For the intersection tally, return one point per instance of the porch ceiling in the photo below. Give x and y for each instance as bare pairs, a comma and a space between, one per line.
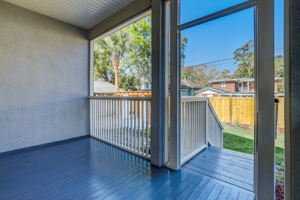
81, 13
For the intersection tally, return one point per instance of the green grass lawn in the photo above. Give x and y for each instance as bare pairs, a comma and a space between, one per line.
246, 133
241, 140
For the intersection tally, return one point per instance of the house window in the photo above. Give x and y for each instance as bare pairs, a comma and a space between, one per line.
223, 84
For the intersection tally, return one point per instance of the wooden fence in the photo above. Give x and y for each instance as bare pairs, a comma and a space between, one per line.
240, 110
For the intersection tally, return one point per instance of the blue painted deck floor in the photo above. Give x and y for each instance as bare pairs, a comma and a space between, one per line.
89, 169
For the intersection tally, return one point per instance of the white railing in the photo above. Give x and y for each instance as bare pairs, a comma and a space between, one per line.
124, 122
200, 126
214, 127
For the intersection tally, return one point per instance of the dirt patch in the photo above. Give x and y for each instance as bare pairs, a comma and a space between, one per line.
279, 191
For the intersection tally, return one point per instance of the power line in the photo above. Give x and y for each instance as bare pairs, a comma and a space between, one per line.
221, 60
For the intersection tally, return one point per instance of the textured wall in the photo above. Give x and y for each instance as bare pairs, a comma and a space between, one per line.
43, 79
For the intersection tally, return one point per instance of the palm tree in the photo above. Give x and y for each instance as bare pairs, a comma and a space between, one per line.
115, 45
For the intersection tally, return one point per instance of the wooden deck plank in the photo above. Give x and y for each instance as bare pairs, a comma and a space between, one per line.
158, 180
180, 188
251, 197
233, 195
235, 153
220, 177
223, 166
198, 189
219, 155
165, 187
207, 190
222, 162
243, 196
184, 194
226, 171
215, 192
89, 169
224, 193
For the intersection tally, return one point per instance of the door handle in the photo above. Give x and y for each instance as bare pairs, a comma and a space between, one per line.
276, 102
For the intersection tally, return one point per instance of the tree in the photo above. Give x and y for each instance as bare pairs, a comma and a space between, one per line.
139, 56
183, 45
203, 74
279, 71
244, 58
103, 68
279, 66
124, 57
111, 50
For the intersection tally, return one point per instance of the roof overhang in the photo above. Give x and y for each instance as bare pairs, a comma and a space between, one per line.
81, 13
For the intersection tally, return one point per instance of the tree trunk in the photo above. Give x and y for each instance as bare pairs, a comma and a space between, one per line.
117, 77
116, 63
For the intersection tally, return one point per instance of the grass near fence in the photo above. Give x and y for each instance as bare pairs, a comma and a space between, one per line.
241, 140
248, 133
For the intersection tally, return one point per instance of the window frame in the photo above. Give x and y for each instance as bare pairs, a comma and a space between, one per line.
223, 84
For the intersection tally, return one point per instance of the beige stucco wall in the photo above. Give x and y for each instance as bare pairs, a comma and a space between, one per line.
43, 79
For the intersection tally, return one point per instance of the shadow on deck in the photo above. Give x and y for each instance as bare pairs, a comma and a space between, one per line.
89, 169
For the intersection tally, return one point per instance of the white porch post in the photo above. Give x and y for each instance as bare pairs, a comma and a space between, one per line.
174, 147
158, 84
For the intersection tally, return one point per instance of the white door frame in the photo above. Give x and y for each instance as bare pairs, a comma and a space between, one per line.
264, 79
264, 106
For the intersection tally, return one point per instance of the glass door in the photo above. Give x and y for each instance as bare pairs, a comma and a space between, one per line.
221, 88
279, 95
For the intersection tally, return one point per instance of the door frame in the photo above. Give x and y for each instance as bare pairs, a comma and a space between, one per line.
264, 79
264, 179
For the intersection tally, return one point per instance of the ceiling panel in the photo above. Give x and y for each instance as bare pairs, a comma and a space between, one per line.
82, 13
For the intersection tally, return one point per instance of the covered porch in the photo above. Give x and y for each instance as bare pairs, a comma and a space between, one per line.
60, 141
86, 168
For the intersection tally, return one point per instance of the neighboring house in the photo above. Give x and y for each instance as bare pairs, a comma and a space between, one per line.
188, 89
211, 92
104, 88
146, 85
241, 85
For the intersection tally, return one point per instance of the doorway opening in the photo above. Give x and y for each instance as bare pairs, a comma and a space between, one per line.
121, 77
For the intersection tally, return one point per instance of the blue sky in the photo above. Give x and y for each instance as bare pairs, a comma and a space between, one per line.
217, 40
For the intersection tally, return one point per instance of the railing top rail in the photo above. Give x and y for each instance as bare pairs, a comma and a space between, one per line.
206, 99
119, 98
194, 98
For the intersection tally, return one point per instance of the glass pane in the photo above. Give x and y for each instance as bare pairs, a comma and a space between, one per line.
279, 94
193, 9
217, 94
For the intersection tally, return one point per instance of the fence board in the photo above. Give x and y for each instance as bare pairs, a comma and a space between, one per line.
240, 110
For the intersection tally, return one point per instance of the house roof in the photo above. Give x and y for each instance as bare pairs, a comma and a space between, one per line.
214, 90
237, 79
232, 79
101, 86
188, 84
81, 13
